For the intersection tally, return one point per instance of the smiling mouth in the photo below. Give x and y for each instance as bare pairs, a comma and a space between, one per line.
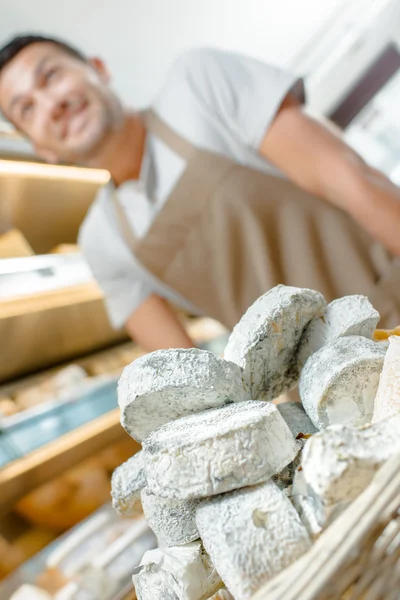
76, 120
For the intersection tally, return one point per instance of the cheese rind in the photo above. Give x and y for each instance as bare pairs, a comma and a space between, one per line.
340, 462
173, 521
301, 427
296, 418
350, 315
251, 535
339, 382
168, 384
218, 450
127, 482
264, 342
179, 573
305, 506
387, 400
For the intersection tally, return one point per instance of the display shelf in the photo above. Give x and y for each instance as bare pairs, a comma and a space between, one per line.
47, 203
52, 327
26, 474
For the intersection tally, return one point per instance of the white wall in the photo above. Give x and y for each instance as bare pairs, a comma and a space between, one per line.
139, 38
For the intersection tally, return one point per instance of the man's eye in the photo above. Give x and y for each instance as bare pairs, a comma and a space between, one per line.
50, 74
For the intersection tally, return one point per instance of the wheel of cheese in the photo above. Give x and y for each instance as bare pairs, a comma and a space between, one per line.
178, 573
340, 462
217, 451
305, 506
339, 382
264, 342
251, 535
173, 521
387, 400
168, 384
127, 482
350, 315
296, 419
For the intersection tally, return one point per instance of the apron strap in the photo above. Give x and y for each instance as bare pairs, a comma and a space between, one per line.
124, 226
176, 143
171, 138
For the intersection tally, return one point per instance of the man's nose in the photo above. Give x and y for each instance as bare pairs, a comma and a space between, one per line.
55, 105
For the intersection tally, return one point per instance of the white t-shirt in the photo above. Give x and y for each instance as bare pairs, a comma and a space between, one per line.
219, 101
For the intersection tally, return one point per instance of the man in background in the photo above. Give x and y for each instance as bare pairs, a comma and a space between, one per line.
242, 111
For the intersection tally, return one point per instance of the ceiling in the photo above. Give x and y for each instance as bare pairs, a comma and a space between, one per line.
140, 38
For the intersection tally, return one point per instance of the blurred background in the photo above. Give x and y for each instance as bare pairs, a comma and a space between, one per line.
60, 437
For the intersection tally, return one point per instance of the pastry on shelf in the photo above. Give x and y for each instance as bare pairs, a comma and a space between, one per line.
64, 381
8, 407
63, 502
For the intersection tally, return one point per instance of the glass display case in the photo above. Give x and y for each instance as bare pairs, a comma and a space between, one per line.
33, 428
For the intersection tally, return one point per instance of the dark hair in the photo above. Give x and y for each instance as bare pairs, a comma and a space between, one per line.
14, 47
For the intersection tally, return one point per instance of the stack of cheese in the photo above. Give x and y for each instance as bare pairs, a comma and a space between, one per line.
216, 468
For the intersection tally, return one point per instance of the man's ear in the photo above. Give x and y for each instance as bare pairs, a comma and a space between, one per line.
99, 66
47, 155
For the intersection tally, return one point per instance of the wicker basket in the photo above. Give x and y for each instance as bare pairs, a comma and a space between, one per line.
355, 558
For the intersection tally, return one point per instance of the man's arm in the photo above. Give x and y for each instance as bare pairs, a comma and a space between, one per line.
154, 326
321, 163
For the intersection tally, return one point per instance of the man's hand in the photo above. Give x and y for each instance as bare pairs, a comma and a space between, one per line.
321, 163
154, 325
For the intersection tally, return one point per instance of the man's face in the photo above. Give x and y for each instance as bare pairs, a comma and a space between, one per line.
61, 103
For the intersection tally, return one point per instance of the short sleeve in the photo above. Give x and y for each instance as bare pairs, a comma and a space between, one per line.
124, 284
243, 93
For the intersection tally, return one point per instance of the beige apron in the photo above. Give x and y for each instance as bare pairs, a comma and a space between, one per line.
228, 233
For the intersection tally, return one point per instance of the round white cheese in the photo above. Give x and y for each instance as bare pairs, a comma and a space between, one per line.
127, 482
387, 400
339, 463
167, 384
251, 536
339, 382
179, 573
350, 315
218, 450
171, 520
264, 342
